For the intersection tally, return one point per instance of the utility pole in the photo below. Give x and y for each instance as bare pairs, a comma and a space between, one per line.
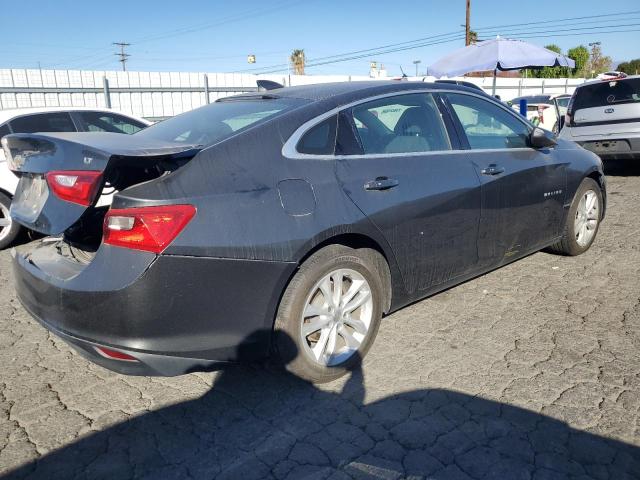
416, 63
594, 46
467, 27
123, 56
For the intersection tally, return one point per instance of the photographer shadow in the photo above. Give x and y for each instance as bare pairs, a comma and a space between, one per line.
257, 423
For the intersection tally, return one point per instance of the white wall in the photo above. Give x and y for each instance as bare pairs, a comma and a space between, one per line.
70, 88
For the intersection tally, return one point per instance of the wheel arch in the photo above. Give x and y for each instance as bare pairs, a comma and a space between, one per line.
358, 239
599, 178
6, 192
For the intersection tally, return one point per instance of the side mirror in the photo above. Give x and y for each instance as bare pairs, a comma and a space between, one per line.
540, 138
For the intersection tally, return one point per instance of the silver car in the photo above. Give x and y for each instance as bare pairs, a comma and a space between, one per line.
604, 116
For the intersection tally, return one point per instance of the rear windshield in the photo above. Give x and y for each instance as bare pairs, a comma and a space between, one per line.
607, 93
212, 123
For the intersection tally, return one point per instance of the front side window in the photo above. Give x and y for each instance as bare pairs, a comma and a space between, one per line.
43, 122
215, 122
109, 122
401, 124
486, 125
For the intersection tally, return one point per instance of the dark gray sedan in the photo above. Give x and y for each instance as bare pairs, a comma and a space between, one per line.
288, 221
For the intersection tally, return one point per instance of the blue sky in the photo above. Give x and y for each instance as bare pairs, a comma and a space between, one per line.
217, 36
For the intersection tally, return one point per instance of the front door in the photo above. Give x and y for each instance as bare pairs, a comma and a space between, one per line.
422, 196
523, 189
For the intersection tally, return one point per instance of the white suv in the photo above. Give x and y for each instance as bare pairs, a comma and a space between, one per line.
604, 116
52, 119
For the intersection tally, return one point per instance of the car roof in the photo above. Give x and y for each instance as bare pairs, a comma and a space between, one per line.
602, 80
9, 114
349, 91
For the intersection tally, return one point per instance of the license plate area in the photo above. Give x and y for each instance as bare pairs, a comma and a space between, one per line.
30, 197
608, 146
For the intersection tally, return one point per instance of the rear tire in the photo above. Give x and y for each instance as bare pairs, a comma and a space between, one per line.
9, 229
583, 220
319, 335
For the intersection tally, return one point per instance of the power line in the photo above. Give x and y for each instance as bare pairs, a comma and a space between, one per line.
123, 56
586, 29
367, 51
98, 52
576, 34
568, 19
418, 43
549, 24
313, 63
207, 25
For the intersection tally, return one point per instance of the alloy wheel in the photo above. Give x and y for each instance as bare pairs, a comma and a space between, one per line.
337, 317
5, 222
587, 217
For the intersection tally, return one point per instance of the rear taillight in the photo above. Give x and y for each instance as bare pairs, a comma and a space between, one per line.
150, 229
78, 187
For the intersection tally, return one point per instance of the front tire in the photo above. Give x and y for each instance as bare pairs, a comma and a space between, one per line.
583, 220
330, 312
9, 229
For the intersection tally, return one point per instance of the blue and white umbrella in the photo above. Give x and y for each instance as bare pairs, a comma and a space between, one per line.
497, 54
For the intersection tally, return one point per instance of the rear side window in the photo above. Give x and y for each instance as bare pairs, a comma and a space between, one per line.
215, 122
43, 122
321, 139
607, 93
486, 125
108, 122
401, 124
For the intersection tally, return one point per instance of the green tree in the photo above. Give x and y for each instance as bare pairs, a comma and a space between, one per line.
298, 61
549, 72
598, 62
632, 67
580, 55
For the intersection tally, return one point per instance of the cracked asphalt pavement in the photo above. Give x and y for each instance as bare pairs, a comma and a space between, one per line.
529, 372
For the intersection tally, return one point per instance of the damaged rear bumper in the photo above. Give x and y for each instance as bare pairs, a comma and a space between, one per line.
173, 314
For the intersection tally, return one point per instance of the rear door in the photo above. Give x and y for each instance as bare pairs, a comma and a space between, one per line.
523, 189
407, 178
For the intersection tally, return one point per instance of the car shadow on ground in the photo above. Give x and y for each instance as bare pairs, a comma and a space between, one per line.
260, 423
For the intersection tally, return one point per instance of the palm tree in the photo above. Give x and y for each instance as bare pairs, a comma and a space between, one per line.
298, 60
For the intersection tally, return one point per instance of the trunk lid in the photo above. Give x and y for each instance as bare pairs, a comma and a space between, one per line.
112, 159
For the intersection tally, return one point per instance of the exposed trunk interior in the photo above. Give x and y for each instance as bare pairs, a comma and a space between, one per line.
120, 161
85, 235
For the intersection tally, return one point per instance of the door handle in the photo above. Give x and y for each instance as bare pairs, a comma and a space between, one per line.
381, 183
492, 169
